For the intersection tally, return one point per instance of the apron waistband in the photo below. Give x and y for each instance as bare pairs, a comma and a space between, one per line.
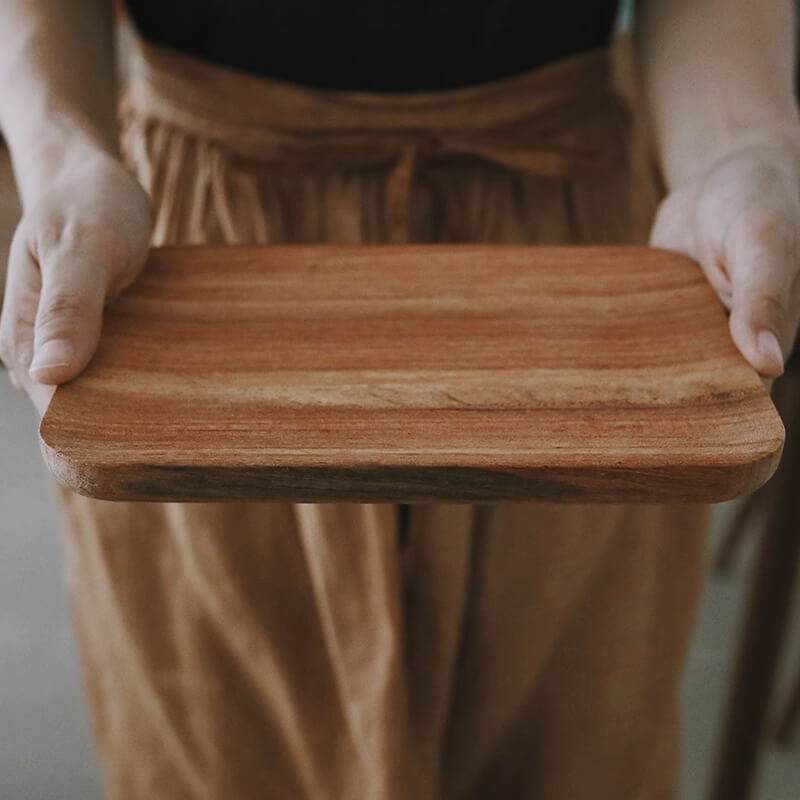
538, 122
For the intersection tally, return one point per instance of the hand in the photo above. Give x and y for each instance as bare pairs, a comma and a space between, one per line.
80, 242
741, 220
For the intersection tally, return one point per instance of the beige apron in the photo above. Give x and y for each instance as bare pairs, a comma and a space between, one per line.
514, 650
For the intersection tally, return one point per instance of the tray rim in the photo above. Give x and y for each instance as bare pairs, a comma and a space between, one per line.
721, 480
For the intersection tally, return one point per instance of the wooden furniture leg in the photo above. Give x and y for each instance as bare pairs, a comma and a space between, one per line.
787, 724
765, 623
735, 534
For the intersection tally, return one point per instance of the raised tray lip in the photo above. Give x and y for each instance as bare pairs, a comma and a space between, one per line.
715, 481
722, 479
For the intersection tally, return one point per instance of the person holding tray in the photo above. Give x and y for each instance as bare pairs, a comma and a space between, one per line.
347, 650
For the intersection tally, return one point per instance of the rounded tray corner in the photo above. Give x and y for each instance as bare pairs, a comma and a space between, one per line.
85, 479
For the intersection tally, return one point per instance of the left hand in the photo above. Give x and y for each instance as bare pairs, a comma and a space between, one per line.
740, 219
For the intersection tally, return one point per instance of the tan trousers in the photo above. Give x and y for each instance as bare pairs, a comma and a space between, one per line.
514, 650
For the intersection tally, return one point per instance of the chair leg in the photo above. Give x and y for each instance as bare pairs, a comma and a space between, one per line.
763, 633
729, 546
787, 724
758, 656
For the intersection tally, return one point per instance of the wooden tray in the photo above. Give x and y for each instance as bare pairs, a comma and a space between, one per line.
313, 373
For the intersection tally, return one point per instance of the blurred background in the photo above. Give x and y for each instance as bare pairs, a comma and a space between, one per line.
45, 742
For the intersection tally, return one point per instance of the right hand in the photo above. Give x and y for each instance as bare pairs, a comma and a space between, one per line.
79, 244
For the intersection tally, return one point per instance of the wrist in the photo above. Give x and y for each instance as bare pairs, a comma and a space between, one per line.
778, 142
53, 147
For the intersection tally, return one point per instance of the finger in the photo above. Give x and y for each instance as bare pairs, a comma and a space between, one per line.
14, 381
39, 394
20, 302
761, 257
17, 319
69, 316
675, 230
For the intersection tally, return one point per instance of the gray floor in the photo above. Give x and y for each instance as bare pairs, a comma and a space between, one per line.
45, 749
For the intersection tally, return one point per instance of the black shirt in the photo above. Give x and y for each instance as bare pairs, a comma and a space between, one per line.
378, 45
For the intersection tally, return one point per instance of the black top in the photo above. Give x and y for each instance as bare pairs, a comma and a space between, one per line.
378, 45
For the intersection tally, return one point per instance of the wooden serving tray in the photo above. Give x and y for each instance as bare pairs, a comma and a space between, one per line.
313, 373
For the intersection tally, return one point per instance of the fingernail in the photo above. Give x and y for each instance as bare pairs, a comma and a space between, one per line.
55, 353
768, 345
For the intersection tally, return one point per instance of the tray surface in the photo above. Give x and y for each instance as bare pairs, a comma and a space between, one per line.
402, 373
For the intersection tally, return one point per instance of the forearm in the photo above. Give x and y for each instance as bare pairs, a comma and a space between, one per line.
57, 86
717, 75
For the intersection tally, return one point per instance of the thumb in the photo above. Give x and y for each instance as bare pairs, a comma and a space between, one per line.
763, 271
68, 318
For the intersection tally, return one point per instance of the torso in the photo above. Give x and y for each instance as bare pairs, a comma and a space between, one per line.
378, 45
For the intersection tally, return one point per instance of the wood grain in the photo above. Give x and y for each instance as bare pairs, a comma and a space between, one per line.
314, 373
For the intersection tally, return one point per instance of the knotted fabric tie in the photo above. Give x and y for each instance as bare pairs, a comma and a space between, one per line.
538, 122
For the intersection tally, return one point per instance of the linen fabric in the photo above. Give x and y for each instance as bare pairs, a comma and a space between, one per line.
349, 651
